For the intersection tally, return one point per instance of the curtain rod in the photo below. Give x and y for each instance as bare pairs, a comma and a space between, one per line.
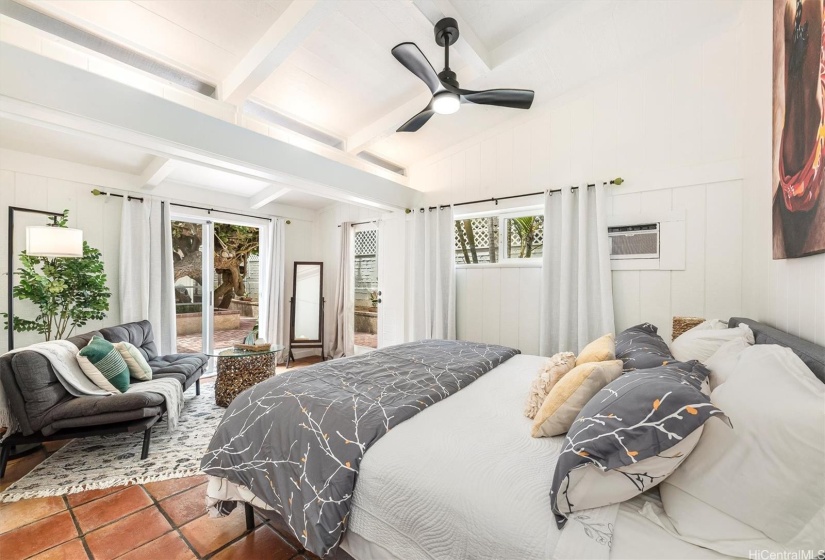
98, 192
362, 223
616, 181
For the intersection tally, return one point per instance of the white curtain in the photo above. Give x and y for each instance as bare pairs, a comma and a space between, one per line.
576, 284
343, 335
147, 281
271, 310
431, 275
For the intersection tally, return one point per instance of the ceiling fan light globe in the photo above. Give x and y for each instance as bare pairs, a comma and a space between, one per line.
446, 103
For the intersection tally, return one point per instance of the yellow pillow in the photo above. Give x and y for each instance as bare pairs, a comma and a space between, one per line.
570, 394
600, 350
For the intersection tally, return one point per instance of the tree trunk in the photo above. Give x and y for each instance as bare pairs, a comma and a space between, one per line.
462, 241
471, 239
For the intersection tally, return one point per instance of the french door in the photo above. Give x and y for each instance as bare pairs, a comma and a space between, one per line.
367, 296
217, 282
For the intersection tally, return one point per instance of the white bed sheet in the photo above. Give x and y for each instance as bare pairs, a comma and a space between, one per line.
464, 479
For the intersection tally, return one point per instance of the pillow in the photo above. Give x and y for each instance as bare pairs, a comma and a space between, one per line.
641, 415
710, 324
766, 473
723, 362
554, 368
700, 344
137, 364
600, 350
570, 394
640, 347
103, 364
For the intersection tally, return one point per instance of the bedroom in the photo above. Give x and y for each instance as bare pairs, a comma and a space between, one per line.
204, 125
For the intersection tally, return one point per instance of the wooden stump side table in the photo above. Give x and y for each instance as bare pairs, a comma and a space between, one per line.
239, 370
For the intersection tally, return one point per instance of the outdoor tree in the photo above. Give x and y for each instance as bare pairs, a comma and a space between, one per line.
233, 247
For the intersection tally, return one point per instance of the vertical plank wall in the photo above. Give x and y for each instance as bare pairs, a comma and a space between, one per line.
99, 217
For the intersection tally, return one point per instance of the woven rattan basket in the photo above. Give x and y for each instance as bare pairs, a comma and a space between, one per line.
682, 324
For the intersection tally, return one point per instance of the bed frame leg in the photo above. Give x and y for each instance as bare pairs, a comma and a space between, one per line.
5, 450
147, 439
250, 516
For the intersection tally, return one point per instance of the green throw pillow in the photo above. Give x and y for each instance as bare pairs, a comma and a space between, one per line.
103, 364
138, 366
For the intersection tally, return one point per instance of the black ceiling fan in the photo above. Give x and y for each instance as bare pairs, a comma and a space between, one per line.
447, 96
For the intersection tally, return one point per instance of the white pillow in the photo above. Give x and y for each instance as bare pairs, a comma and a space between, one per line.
701, 343
138, 366
768, 473
723, 362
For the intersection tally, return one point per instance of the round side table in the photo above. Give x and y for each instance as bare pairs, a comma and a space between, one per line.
239, 370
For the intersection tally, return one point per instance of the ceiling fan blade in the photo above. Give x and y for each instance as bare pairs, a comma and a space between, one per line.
414, 60
418, 120
514, 98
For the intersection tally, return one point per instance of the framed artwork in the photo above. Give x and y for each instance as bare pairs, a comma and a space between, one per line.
798, 128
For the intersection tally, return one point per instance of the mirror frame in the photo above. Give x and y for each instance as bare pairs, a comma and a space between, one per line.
306, 343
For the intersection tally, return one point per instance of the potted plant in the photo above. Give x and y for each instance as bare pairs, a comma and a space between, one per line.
68, 291
374, 299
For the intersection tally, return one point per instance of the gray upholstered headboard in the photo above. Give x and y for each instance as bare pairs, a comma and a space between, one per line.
812, 354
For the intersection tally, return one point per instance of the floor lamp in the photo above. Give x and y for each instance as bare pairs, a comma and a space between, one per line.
41, 241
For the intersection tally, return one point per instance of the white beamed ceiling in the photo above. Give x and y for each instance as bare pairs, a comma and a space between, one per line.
342, 79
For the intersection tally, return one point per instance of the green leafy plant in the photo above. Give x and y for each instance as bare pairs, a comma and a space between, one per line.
525, 228
68, 291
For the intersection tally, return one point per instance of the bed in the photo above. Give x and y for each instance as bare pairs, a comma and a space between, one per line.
462, 478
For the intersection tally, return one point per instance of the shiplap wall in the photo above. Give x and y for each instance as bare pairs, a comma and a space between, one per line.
672, 128
789, 293
98, 217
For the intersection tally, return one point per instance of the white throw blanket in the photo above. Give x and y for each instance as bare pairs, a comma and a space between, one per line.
172, 392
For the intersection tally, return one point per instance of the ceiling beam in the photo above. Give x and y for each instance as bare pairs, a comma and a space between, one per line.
279, 41
36, 89
157, 170
267, 195
387, 124
469, 46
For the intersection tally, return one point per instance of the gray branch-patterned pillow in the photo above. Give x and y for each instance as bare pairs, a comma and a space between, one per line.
640, 347
641, 415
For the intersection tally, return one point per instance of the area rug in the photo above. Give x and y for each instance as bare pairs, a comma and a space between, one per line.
114, 460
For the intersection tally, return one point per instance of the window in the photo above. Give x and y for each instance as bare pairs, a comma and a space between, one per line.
501, 238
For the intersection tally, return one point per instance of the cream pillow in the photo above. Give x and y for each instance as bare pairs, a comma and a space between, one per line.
553, 370
570, 394
600, 350
766, 473
137, 364
701, 343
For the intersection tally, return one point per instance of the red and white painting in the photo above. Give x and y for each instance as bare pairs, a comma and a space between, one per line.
798, 128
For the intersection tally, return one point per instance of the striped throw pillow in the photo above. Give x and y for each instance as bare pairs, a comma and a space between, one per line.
103, 364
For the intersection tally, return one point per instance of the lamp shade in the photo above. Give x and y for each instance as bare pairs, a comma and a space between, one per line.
48, 241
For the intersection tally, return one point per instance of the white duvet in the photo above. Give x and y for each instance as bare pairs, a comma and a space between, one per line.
464, 479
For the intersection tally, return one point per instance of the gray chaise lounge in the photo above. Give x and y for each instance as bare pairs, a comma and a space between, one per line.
46, 411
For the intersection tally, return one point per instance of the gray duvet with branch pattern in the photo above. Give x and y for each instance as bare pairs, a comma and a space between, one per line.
296, 440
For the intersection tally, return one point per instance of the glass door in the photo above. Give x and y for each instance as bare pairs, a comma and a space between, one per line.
235, 284
216, 298
367, 294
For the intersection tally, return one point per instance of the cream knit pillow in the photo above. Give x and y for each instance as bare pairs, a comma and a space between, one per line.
553, 370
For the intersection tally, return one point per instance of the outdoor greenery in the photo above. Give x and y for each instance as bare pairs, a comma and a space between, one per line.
525, 228
233, 247
68, 291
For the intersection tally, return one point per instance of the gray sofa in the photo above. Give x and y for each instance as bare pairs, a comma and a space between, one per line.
46, 411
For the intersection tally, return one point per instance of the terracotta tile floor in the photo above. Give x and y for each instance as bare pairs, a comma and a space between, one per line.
163, 520
223, 339
366, 339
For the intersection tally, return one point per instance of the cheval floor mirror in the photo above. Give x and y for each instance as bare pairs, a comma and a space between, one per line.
306, 323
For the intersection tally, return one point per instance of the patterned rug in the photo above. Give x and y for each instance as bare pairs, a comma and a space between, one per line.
106, 461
